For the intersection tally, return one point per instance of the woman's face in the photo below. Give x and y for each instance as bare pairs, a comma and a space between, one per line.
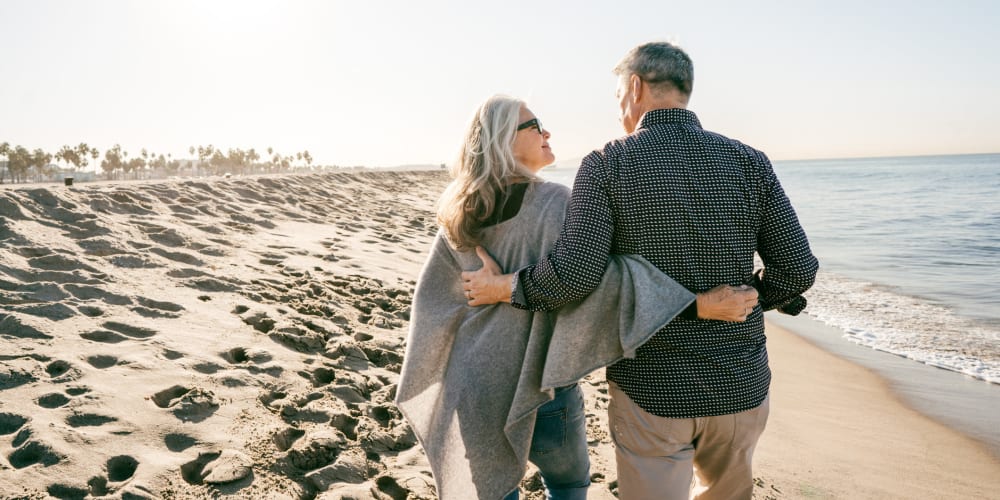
531, 143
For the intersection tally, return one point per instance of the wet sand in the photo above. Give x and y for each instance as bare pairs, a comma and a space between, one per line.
836, 430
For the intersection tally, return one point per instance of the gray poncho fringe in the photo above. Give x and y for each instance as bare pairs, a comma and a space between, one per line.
473, 377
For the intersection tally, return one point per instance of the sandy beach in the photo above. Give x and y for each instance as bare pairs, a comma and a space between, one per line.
243, 337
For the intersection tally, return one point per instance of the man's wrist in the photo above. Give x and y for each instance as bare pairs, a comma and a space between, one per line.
504, 287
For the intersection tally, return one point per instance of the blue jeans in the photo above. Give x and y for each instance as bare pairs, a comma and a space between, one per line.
559, 446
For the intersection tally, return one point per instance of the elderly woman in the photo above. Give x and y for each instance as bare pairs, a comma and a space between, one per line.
487, 389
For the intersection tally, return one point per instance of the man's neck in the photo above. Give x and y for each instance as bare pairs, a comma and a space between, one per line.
666, 104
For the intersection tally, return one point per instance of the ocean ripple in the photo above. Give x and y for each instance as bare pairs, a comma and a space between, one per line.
884, 319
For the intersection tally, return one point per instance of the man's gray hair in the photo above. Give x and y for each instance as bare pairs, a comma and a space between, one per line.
661, 65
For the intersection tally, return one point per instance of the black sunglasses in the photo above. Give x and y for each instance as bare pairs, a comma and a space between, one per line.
531, 123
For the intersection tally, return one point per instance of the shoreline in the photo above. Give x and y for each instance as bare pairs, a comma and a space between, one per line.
963, 403
838, 429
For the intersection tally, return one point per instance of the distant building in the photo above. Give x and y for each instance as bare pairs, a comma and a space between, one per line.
60, 173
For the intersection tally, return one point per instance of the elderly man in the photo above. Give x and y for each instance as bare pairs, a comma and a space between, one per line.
698, 205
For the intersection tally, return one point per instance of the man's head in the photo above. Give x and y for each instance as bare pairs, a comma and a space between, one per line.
654, 75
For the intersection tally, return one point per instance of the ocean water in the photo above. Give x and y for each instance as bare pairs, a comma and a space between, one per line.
909, 251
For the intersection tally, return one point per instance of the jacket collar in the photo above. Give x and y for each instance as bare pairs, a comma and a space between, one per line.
669, 116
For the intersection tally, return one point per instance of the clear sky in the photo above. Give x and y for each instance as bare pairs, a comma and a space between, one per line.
386, 82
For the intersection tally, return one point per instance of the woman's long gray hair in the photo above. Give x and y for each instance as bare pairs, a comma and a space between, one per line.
485, 166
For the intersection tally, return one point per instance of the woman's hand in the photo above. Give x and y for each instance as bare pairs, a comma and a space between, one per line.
488, 285
727, 303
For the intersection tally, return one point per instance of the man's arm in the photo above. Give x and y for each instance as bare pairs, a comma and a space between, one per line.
576, 264
724, 303
789, 265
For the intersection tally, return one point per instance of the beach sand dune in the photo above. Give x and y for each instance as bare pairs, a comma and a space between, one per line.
243, 337
186, 339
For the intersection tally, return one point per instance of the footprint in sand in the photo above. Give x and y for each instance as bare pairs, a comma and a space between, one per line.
38, 291
389, 434
77, 391
321, 376
346, 423
389, 486
100, 247
98, 486
11, 325
21, 437
223, 467
384, 414
159, 305
31, 252
11, 423
89, 420
67, 492
121, 468
177, 442
172, 354
163, 236
260, 322
272, 259
317, 450
384, 358
33, 452
268, 398
103, 336
52, 400
56, 262
286, 438
182, 257
54, 312
188, 404
136, 332
62, 371
207, 368
90, 311
239, 355
168, 397
214, 285
146, 312
101, 361
351, 467
118, 470
84, 292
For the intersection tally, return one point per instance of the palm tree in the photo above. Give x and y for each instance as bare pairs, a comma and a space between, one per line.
82, 152
18, 161
67, 154
112, 161
5, 152
145, 160
94, 153
40, 159
253, 157
205, 153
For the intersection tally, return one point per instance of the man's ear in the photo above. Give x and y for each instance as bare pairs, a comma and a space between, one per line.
636, 83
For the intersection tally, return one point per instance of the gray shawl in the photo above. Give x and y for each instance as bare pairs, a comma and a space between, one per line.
473, 377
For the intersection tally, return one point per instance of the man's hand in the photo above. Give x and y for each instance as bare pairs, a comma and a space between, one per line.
727, 303
488, 285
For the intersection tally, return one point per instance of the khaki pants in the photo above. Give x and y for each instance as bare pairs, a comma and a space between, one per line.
657, 456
